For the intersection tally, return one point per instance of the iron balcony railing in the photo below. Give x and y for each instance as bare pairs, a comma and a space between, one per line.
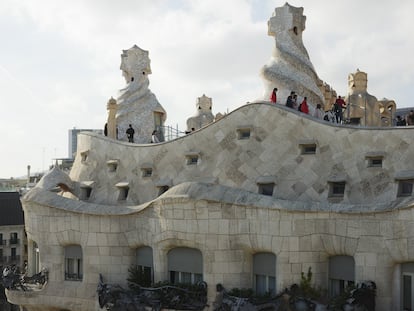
73, 276
14, 241
167, 132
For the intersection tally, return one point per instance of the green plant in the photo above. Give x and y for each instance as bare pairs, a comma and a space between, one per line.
138, 276
336, 303
308, 290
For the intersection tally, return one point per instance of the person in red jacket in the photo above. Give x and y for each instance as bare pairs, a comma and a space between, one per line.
338, 107
304, 106
273, 97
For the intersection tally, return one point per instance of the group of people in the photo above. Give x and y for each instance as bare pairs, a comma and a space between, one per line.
130, 132
407, 120
291, 102
130, 135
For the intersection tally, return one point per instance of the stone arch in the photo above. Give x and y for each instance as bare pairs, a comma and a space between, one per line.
264, 272
185, 265
73, 262
341, 273
144, 264
161, 249
339, 245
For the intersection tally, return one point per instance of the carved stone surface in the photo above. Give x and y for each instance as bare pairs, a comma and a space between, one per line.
203, 115
137, 105
364, 106
111, 123
290, 68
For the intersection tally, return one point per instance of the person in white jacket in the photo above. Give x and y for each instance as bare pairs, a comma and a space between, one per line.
318, 113
154, 138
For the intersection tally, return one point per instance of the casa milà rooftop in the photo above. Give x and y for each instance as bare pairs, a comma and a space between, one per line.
250, 199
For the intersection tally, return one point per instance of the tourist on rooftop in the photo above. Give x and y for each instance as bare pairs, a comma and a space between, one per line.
318, 113
154, 137
409, 119
330, 116
273, 97
304, 106
401, 121
130, 133
295, 101
290, 100
338, 106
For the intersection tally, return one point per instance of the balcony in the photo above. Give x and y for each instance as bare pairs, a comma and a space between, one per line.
14, 241
3, 242
3, 259
73, 277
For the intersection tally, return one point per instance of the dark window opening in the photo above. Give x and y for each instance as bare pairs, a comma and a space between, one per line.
337, 189
375, 162
308, 149
163, 189
192, 160
266, 189
244, 134
86, 193
147, 172
13, 238
405, 188
112, 166
123, 193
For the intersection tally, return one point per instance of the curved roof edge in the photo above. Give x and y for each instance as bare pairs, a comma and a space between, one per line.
248, 106
197, 191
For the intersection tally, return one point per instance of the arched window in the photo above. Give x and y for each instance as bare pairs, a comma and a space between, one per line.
264, 273
145, 266
73, 263
185, 265
341, 274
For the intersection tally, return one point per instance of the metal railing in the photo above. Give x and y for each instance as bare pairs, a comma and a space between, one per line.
73, 277
14, 241
170, 132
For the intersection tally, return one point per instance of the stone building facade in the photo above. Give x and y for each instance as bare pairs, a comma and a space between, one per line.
263, 180
250, 200
12, 235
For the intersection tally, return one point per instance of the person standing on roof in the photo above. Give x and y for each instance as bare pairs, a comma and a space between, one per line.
273, 97
304, 106
130, 133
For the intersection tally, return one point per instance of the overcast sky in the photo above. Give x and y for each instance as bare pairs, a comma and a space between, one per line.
59, 60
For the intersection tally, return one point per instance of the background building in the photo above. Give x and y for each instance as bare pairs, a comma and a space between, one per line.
13, 246
73, 139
